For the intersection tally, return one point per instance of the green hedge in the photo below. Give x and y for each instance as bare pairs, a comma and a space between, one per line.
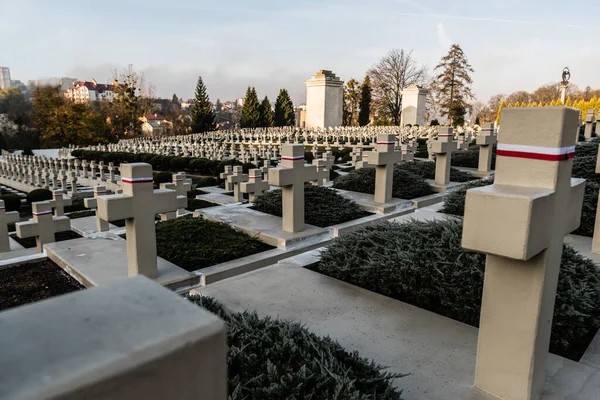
163, 177
195, 204
426, 170
196, 243
12, 202
37, 195
322, 206
406, 184
423, 263
273, 359
454, 202
82, 214
470, 158
585, 167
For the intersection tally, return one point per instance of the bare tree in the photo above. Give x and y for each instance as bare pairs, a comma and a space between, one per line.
392, 73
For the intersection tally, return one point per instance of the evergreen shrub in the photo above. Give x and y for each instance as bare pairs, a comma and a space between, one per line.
38, 195
322, 206
12, 202
162, 177
406, 185
424, 264
454, 202
274, 359
426, 170
196, 243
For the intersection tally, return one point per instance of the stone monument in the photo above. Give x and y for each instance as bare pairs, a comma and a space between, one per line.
414, 99
324, 100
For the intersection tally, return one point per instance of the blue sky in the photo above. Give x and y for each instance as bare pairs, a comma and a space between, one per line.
269, 44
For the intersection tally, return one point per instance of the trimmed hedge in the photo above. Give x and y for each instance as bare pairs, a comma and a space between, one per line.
273, 359
82, 214
30, 242
196, 243
470, 158
585, 167
38, 195
195, 204
426, 170
406, 185
162, 177
423, 263
12, 202
454, 202
322, 206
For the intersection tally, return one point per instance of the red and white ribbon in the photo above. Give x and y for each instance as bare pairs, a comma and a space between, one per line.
386, 142
292, 158
37, 214
137, 180
255, 176
535, 152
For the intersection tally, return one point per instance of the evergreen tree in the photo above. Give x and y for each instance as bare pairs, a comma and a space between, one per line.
218, 106
175, 100
351, 102
364, 115
284, 110
266, 113
251, 110
203, 118
453, 84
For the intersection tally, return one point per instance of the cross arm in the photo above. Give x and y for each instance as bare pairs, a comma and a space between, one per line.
11, 216
165, 200
61, 224
90, 202
114, 207
27, 229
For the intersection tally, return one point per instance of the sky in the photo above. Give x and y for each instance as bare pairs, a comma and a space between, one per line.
271, 44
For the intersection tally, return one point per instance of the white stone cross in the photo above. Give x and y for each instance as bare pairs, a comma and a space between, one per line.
531, 206
224, 175
6, 217
322, 173
265, 169
485, 140
443, 148
181, 185
138, 205
291, 178
235, 181
92, 202
43, 225
384, 159
589, 124
256, 185
58, 202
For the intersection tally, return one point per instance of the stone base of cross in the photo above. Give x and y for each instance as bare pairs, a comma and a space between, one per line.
6, 217
291, 178
138, 206
43, 225
532, 205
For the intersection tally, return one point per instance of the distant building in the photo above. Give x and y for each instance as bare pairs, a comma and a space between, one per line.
154, 124
5, 81
88, 91
240, 102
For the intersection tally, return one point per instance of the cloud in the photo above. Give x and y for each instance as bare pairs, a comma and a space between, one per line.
443, 39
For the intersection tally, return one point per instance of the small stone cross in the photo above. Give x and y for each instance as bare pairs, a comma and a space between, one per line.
228, 171
443, 148
255, 186
322, 173
6, 217
92, 202
235, 181
43, 225
59, 202
384, 159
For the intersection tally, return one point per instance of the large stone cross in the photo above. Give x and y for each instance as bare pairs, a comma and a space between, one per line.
255, 186
138, 205
485, 140
520, 223
43, 225
384, 159
291, 177
58, 202
235, 181
92, 202
6, 217
443, 148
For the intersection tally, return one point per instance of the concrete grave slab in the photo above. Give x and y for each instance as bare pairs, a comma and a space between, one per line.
583, 245
214, 189
367, 202
87, 226
218, 198
437, 352
266, 227
102, 258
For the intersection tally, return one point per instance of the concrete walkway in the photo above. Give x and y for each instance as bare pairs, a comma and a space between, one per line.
439, 353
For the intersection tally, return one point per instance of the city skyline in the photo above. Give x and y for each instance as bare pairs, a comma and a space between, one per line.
511, 46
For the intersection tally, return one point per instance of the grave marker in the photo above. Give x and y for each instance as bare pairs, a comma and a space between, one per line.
291, 178
485, 140
224, 175
59, 202
531, 206
255, 186
443, 148
235, 180
138, 205
384, 159
43, 225
100, 190
6, 217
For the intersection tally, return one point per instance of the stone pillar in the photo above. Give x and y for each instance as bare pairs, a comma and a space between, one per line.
414, 99
485, 140
532, 205
324, 100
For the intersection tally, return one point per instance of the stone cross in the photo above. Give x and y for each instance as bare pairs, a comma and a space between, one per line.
531, 206
43, 225
322, 173
100, 190
111, 172
235, 181
224, 175
443, 148
384, 159
329, 160
291, 178
589, 124
255, 186
265, 169
73, 181
407, 155
59, 202
181, 185
6, 217
485, 140
138, 205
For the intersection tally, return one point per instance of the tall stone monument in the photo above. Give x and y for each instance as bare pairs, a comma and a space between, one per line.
414, 99
324, 100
